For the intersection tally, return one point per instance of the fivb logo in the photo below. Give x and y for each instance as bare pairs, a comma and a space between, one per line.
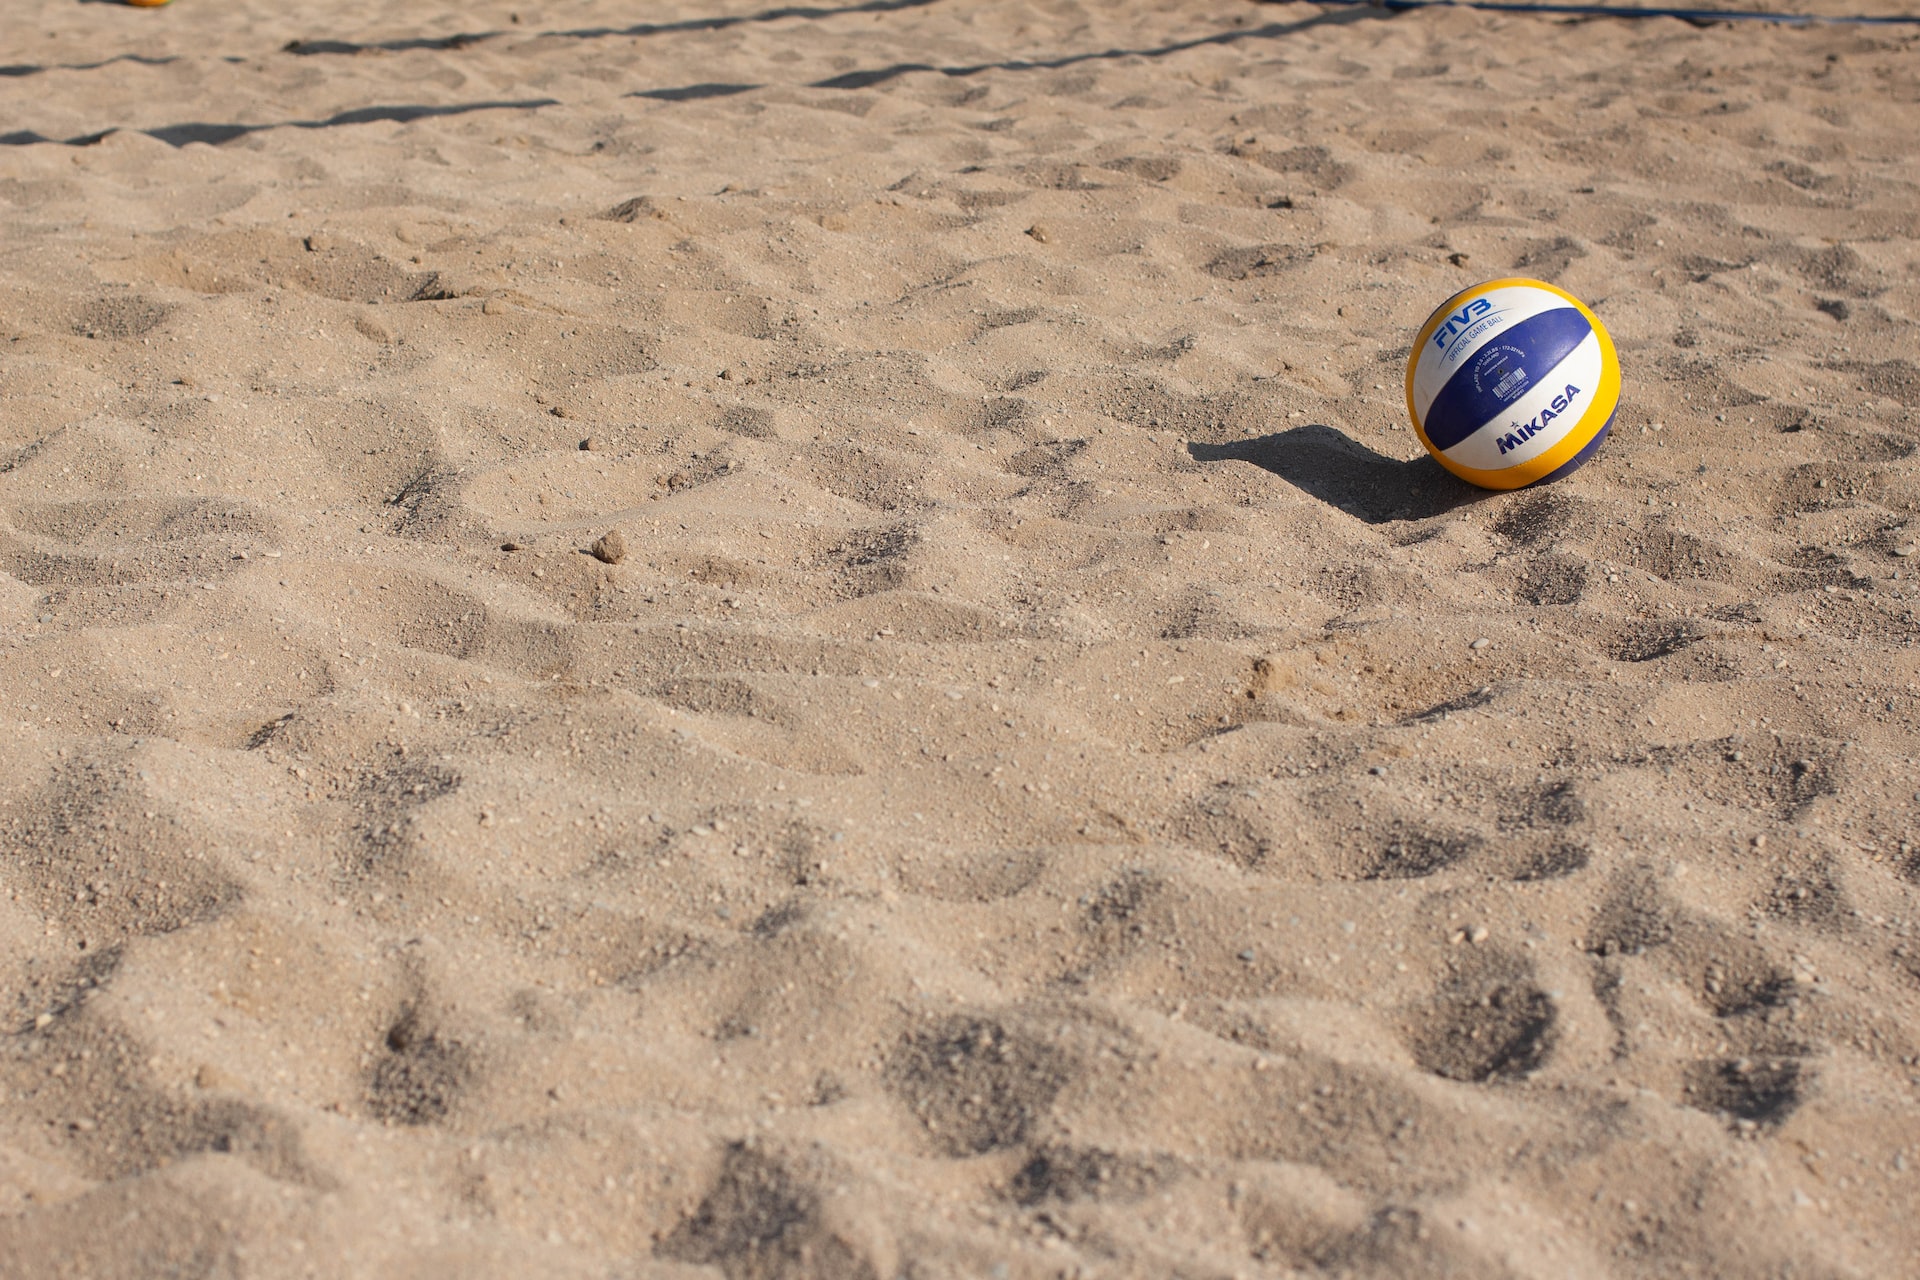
1460, 321
1519, 435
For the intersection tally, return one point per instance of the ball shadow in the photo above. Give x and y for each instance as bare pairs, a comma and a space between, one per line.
1340, 471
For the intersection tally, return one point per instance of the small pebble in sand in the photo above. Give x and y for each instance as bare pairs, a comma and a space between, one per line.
1905, 551
1039, 233
593, 444
1478, 935
209, 1076
1479, 644
609, 547
492, 307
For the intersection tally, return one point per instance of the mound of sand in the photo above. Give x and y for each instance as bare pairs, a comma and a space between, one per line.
1046, 780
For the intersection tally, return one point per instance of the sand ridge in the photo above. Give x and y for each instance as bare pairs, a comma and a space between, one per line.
1052, 781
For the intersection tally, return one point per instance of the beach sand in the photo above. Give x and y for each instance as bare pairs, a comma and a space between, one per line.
1043, 777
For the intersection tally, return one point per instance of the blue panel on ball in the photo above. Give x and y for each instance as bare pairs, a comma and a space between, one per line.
1507, 365
1572, 464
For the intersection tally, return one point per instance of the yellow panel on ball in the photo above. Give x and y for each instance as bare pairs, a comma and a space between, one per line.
1512, 382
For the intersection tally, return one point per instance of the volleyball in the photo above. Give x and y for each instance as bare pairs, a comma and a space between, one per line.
1512, 383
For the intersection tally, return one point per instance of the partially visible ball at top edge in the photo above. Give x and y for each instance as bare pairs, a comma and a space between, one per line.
1511, 383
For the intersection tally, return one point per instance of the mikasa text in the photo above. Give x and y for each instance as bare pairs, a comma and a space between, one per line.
1560, 404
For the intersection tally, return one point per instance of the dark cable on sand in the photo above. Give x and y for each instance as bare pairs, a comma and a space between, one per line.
1619, 11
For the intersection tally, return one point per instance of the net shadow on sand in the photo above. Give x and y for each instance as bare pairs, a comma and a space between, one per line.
464, 39
13, 71
1270, 31
694, 92
215, 133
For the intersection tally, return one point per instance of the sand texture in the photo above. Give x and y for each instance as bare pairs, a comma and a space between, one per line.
676, 640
